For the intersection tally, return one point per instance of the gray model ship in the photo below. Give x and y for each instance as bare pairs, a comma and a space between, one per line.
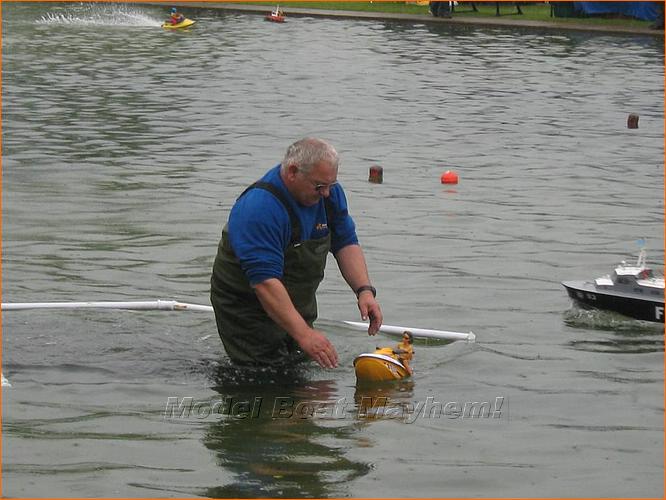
631, 290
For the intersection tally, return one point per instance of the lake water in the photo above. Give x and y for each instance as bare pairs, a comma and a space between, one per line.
124, 147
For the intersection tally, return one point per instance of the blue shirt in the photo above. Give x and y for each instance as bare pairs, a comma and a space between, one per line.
260, 230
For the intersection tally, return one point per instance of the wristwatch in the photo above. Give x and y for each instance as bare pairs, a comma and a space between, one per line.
364, 288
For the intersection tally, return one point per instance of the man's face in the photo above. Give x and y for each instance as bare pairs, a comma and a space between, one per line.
310, 187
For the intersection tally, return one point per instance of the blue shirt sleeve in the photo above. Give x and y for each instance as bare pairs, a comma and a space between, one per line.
259, 232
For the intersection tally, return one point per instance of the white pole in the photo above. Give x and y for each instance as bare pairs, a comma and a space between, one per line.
160, 305
172, 305
417, 332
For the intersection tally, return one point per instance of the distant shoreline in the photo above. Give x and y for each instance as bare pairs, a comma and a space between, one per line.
457, 19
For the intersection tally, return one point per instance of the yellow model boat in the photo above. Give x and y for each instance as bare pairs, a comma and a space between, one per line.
383, 365
186, 23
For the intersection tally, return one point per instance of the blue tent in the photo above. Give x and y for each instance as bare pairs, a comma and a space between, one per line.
646, 11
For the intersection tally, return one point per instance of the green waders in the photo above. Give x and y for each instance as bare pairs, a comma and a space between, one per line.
249, 335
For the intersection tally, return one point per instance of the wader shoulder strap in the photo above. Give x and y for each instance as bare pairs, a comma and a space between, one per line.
329, 214
293, 219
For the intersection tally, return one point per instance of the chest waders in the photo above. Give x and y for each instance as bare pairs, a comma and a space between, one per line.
249, 335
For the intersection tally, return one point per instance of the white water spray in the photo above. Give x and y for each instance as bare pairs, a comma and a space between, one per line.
101, 15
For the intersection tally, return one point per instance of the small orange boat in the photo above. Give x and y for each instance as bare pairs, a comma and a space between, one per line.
382, 365
276, 16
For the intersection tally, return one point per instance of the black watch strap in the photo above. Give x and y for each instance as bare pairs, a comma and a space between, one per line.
364, 288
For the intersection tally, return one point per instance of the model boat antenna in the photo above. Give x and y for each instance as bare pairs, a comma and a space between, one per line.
640, 262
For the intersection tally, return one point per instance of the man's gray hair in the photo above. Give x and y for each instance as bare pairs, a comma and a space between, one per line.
308, 152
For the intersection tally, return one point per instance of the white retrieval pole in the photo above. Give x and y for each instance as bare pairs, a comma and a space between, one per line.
417, 332
152, 305
172, 305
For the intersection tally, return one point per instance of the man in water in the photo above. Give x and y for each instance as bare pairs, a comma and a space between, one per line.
272, 256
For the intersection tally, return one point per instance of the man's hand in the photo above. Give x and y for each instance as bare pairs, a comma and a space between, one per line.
319, 348
369, 308
276, 302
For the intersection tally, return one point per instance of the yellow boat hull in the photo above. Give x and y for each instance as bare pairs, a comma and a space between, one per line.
378, 367
183, 24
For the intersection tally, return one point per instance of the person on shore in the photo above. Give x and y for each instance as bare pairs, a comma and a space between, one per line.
271, 259
440, 9
176, 17
659, 20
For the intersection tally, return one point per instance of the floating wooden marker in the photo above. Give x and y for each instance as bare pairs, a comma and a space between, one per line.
376, 174
632, 121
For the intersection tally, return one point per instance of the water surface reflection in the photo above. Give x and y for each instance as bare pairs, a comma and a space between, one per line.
292, 443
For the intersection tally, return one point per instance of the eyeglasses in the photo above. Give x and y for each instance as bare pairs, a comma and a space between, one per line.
318, 186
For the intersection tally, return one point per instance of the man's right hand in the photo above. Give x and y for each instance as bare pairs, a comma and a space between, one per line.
276, 302
319, 348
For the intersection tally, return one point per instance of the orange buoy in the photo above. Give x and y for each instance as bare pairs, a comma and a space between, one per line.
632, 121
449, 177
376, 174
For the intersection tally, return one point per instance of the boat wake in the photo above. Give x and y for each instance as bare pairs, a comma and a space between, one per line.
100, 15
597, 319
